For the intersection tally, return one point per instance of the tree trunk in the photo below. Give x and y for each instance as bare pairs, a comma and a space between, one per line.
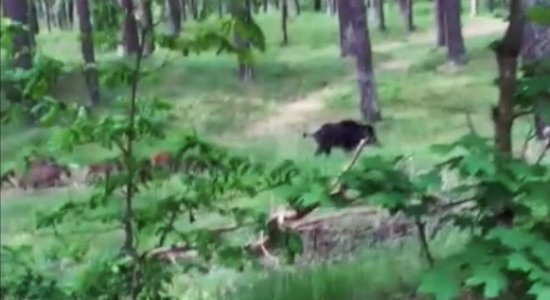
34, 25
284, 21
317, 5
48, 13
474, 8
297, 7
345, 16
149, 38
380, 19
265, 5
507, 52
358, 34
441, 38
456, 52
183, 6
406, 9
18, 11
194, 9
130, 36
490, 5
174, 12
70, 13
536, 47
241, 12
87, 47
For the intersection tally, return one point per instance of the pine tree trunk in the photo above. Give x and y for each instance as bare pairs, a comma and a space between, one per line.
149, 38
241, 12
359, 37
441, 35
380, 18
284, 21
406, 9
317, 5
456, 52
297, 7
174, 12
507, 52
345, 16
535, 48
18, 11
130, 36
87, 47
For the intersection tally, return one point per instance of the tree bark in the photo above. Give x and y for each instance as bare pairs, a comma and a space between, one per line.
357, 32
507, 52
345, 16
297, 7
284, 21
18, 11
441, 38
380, 18
194, 9
535, 48
183, 5
130, 36
317, 5
69, 8
241, 12
265, 5
474, 8
174, 12
147, 23
406, 9
48, 13
87, 47
456, 52
35, 27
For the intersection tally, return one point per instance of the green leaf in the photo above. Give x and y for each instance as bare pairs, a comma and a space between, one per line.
513, 238
519, 262
490, 277
440, 282
540, 290
540, 15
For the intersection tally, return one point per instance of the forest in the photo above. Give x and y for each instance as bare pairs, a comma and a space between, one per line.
275, 149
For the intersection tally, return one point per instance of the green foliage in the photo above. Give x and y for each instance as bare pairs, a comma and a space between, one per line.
539, 15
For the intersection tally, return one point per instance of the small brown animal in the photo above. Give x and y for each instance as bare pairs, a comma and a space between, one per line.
44, 175
103, 169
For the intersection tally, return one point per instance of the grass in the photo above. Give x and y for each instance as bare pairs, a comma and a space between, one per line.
421, 104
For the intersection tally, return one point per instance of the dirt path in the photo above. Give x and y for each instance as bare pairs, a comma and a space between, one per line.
297, 114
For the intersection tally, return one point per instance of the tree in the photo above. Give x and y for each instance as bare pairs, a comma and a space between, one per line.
380, 19
536, 47
456, 51
474, 8
317, 5
358, 35
440, 23
174, 13
87, 47
297, 7
130, 39
406, 9
19, 11
344, 19
284, 21
242, 16
34, 25
147, 23
507, 52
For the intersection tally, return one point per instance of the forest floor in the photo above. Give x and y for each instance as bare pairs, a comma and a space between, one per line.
298, 87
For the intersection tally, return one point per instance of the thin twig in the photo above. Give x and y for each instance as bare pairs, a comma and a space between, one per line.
530, 135
358, 150
470, 123
421, 226
543, 152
